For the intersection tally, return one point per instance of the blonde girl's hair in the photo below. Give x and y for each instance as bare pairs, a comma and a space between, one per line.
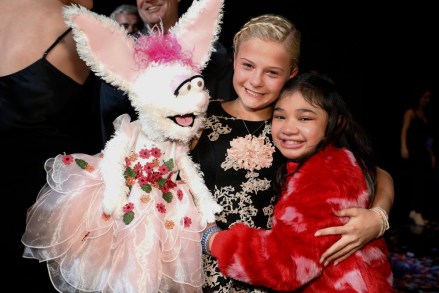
271, 27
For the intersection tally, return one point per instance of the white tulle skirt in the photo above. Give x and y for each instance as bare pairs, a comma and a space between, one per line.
87, 251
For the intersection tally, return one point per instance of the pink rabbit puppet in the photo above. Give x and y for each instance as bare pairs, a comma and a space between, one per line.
129, 219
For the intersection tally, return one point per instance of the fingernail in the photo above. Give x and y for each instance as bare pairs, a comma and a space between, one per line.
317, 234
326, 263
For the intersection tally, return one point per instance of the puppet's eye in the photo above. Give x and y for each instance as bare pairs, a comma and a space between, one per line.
195, 83
184, 88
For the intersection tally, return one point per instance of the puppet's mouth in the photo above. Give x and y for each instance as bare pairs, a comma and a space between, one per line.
184, 120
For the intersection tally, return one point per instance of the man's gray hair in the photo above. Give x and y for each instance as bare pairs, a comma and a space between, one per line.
124, 8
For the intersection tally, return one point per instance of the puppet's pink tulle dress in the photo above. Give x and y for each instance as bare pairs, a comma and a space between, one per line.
151, 245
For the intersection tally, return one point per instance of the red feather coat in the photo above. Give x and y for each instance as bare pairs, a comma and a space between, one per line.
286, 257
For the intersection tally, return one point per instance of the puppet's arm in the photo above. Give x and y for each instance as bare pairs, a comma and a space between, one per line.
190, 173
112, 169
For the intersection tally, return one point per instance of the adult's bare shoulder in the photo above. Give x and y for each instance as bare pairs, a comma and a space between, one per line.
28, 28
409, 114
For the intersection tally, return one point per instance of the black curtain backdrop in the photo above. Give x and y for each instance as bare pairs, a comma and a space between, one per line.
376, 52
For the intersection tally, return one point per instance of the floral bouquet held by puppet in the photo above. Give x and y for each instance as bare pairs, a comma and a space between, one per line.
129, 219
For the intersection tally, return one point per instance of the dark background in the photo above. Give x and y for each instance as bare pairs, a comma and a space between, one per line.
377, 53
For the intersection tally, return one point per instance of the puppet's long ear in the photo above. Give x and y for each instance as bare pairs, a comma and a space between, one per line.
199, 28
104, 45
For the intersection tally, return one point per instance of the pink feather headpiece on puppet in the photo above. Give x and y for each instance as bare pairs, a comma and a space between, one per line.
160, 48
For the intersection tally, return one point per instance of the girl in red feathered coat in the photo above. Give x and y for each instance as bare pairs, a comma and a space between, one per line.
329, 167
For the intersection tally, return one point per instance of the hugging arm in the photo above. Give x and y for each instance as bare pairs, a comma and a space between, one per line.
364, 224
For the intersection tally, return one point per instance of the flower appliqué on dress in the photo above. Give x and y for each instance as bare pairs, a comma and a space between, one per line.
69, 159
128, 213
152, 174
249, 153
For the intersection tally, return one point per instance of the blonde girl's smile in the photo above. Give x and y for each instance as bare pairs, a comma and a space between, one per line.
261, 69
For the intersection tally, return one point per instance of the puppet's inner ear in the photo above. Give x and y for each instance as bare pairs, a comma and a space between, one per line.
99, 40
199, 28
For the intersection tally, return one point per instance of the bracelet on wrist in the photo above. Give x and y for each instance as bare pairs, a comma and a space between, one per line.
384, 218
205, 238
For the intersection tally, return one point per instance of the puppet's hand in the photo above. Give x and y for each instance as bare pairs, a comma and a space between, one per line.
364, 225
203, 198
208, 209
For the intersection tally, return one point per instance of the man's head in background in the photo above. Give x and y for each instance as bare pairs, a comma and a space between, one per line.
127, 16
153, 11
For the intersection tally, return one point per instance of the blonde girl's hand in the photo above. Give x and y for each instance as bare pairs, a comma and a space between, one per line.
364, 225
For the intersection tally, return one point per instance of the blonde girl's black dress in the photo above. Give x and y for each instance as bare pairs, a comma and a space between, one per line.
239, 163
